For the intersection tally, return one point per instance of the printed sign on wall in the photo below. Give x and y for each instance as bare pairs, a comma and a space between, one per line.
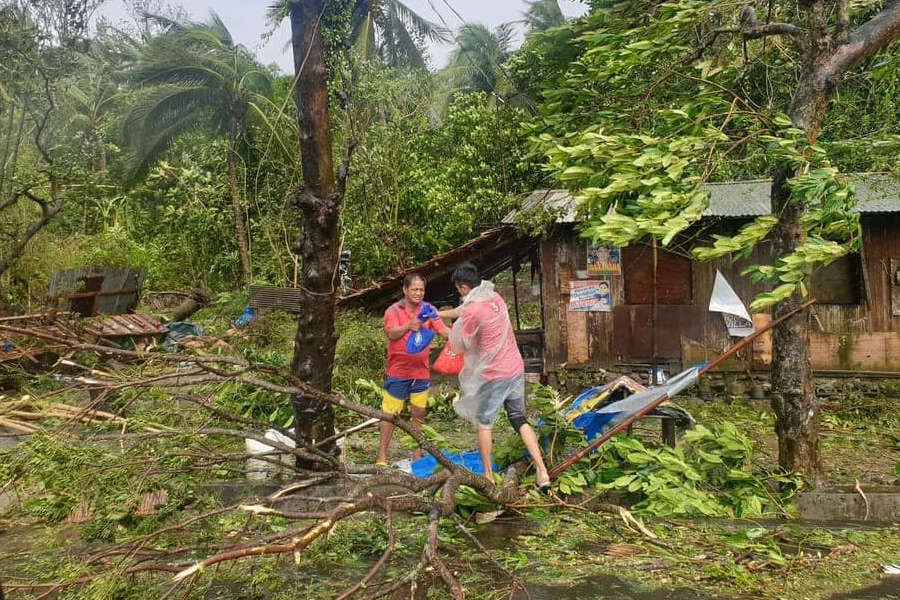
590, 296
603, 260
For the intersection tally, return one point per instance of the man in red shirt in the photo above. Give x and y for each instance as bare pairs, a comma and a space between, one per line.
408, 376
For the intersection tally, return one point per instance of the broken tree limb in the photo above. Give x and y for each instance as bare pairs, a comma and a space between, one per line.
560, 468
195, 299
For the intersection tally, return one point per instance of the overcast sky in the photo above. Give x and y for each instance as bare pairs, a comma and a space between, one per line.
246, 19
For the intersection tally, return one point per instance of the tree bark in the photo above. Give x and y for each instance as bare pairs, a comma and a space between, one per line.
319, 199
239, 231
197, 299
825, 60
14, 159
794, 401
6, 145
48, 211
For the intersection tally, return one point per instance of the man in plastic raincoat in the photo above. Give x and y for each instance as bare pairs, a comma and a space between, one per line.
493, 374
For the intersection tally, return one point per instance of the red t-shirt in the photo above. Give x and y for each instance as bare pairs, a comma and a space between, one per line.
399, 362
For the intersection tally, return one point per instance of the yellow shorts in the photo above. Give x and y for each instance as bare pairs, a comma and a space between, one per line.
397, 390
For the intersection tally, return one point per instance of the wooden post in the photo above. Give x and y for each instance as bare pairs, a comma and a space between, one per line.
515, 271
654, 380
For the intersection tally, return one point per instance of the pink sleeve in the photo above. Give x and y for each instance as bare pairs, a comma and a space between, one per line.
439, 326
391, 318
470, 323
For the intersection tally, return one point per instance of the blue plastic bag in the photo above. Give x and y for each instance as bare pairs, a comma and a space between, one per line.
245, 317
428, 465
419, 340
427, 312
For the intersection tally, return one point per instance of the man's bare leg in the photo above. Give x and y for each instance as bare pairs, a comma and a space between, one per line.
387, 432
485, 443
534, 449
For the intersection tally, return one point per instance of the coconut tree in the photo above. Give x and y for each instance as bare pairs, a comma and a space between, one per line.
195, 75
475, 65
388, 30
543, 15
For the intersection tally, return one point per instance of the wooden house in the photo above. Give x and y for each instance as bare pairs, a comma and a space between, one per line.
598, 302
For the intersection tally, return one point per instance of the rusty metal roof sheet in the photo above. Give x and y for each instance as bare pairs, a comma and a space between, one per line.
127, 325
875, 193
492, 251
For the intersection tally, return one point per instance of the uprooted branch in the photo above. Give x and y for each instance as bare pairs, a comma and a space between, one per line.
433, 497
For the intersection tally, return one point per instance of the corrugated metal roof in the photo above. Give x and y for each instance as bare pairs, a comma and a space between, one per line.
875, 193
557, 201
492, 251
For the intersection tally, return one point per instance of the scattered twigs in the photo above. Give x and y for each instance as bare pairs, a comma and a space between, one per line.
52, 588
432, 496
348, 431
385, 556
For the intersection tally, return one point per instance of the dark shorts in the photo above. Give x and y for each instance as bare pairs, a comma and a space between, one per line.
508, 393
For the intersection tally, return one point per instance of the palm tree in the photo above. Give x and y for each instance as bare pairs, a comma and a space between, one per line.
385, 29
196, 75
475, 65
543, 15
90, 98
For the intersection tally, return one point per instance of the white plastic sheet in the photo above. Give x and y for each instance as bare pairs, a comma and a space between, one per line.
258, 469
477, 357
725, 301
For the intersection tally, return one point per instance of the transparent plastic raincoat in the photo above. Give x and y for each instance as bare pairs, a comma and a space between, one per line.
484, 334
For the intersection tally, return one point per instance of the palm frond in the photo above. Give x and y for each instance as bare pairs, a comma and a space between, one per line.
398, 46
504, 34
543, 15
217, 27
158, 117
474, 64
165, 23
417, 24
364, 37
277, 12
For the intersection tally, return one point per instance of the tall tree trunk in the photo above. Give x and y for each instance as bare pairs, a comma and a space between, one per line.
6, 144
794, 399
825, 60
14, 159
319, 198
239, 231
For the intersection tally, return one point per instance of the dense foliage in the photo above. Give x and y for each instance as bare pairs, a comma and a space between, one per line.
209, 133
658, 99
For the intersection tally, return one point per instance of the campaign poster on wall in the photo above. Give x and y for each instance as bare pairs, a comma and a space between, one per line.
590, 296
603, 260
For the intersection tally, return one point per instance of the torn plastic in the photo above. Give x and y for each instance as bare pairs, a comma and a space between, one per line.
492, 333
727, 302
257, 468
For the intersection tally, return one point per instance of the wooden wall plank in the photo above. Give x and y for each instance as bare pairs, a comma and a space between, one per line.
577, 338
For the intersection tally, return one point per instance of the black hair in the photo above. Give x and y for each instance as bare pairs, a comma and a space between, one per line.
410, 278
466, 274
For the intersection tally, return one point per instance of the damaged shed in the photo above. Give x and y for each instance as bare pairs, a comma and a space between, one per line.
597, 301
